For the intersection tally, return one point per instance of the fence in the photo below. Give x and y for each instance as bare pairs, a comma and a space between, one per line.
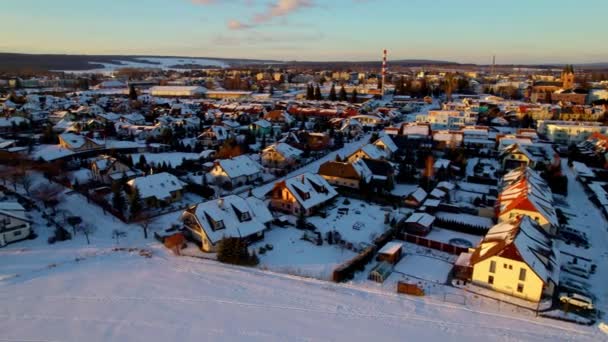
347, 269
437, 245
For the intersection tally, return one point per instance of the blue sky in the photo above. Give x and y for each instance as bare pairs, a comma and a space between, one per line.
517, 31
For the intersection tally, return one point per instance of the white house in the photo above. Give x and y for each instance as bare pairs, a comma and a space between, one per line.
226, 217
14, 224
238, 170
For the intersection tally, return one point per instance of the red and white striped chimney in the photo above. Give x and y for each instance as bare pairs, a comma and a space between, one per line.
383, 69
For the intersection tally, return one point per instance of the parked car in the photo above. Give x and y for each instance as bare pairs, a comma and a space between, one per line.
576, 300
576, 270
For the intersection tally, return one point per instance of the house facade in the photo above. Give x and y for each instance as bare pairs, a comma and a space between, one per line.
517, 258
14, 224
301, 195
231, 216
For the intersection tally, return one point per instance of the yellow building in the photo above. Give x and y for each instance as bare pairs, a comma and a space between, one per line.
516, 258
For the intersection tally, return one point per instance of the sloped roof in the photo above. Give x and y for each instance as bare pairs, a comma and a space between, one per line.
228, 210
240, 166
158, 185
310, 189
523, 240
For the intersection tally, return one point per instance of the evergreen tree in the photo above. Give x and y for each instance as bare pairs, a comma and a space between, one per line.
342, 95
310, 93
142, 161
332, 93
353, 97
132, 93
318, 95
118, 201
135, 202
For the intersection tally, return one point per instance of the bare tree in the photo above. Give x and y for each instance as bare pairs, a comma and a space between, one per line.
117, 234
145, 221
87, 230
48, 194
26, 182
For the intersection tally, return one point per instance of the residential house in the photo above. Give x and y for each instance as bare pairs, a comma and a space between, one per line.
227, 217
301, 195
79, 143
518, 258
346, 174
106, 169
280, 156
237, 171
525, 193
214, 136
14, 223
158, 190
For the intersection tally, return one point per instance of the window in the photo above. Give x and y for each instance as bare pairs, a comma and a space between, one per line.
17, 233
492, 267
504, 266
522, 274
491, 280
245, 217
520, 288
510, 267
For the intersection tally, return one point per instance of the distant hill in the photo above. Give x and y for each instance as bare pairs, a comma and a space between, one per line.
18, 62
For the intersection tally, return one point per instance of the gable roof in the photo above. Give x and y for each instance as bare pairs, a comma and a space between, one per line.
240, 166
357, 170
228, 210
523, 240
159, 186
310, 189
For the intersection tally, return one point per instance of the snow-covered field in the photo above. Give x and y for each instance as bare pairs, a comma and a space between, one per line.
122, 296
152, 62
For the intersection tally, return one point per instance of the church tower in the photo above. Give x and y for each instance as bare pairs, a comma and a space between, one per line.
568, 77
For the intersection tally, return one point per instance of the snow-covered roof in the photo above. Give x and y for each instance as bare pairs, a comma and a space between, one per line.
422, 219
232, 216
391, 247
285, 150
159, 186
240, 166
310, 189
535, 247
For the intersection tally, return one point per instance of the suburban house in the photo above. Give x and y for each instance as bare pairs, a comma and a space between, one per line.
237, 171
226, 217
79, 143
517, 258
418, 223
106, 169
214, 136
416, 198
345, 174
301, 195
280, 155
516, 155
525, 193
308, 140
279, 117
159, 189
14, 224
261, 128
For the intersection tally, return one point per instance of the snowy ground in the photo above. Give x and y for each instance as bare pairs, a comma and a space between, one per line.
590, 220
361, 224
122, 296
292, 255
71, 291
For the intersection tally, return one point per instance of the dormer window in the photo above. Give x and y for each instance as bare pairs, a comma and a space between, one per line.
217, 225
245, 217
